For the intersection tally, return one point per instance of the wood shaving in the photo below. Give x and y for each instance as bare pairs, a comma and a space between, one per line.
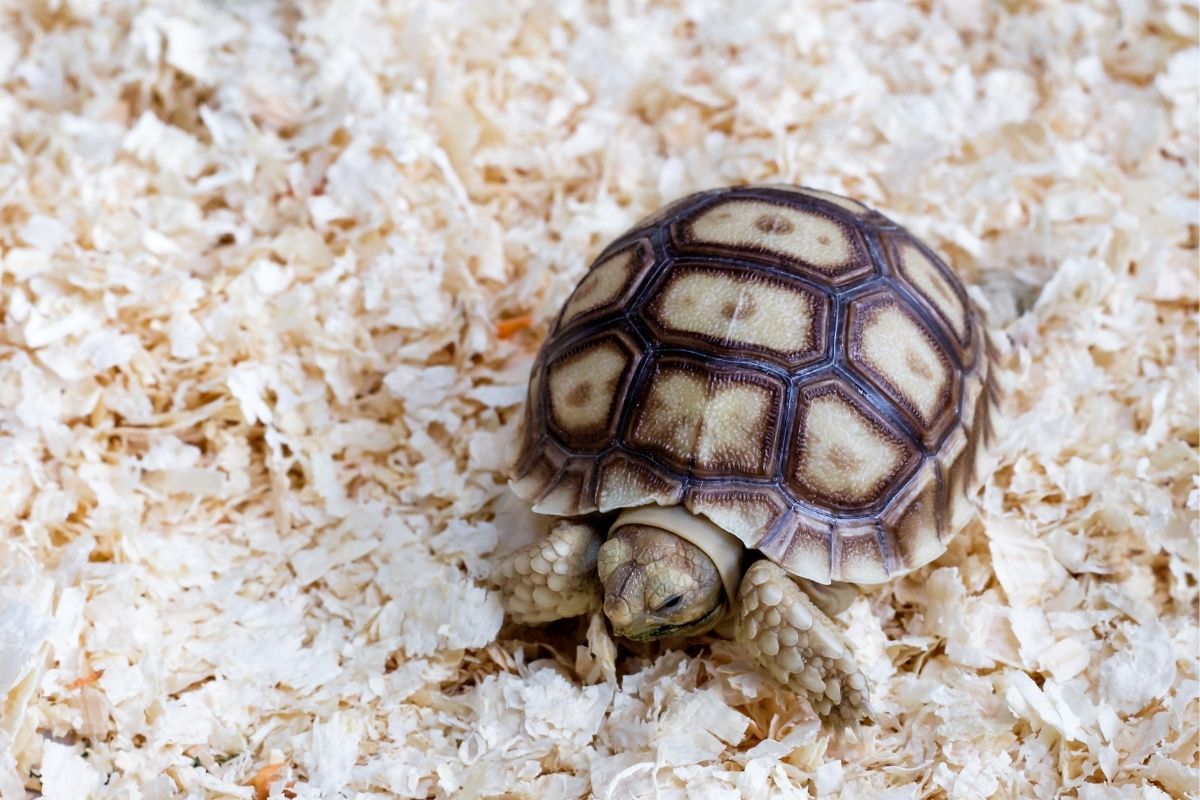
273, 279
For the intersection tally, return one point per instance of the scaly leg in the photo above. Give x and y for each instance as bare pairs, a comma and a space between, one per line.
799, 645
551, 579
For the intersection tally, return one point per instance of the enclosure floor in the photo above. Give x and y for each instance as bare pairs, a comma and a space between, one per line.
273, 277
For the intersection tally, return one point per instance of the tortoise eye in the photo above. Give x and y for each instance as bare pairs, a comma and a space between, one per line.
672, 603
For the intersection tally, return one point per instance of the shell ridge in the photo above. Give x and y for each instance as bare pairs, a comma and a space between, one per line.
929, 314
953, 347
879, 403
939, 499
885, 552
637, 378
835, 549
723, 362
924, 423
679, 305
773, 271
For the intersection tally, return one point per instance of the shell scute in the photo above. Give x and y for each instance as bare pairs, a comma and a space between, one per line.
707, 420
844, 454
740, 311
585, 386
913, 522
612, 279
891, 347
861, 555
627, 482
804, 238
750, 513
802, 541
934, 286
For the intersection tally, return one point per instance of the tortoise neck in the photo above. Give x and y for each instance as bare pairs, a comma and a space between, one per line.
720, 545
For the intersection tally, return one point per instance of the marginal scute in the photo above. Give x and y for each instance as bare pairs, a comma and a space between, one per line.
745, 514
740, 310
982, 421
626, 483
802, 544
934, 285
972, 402
606, 282
957, 459
714, 422
890, 347
912, 520
538, 466
532, 481
861, 559
801, 237
565, 498
843, 454
583, 387
984, 432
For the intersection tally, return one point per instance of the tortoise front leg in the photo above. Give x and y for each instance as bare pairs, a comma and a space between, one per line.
552, 579
798, 644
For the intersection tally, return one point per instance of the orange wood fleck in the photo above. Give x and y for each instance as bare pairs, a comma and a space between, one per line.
263, 779
507, 328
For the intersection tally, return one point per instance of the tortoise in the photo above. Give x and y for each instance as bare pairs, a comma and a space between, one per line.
754, 401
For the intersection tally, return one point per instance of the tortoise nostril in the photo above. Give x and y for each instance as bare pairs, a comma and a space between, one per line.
617, 611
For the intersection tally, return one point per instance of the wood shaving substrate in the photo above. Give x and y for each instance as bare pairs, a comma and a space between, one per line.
273, 278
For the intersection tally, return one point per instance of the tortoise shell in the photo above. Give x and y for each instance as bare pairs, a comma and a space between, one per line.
784, 361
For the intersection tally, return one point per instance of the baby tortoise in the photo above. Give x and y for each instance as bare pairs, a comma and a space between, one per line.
752, 401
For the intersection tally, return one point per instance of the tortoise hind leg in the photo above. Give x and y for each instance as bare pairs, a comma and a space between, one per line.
799, 645
552, 579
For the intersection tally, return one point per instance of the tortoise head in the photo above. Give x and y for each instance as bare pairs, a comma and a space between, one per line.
658, 584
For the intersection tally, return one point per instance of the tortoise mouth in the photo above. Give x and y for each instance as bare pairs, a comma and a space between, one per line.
690, 628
